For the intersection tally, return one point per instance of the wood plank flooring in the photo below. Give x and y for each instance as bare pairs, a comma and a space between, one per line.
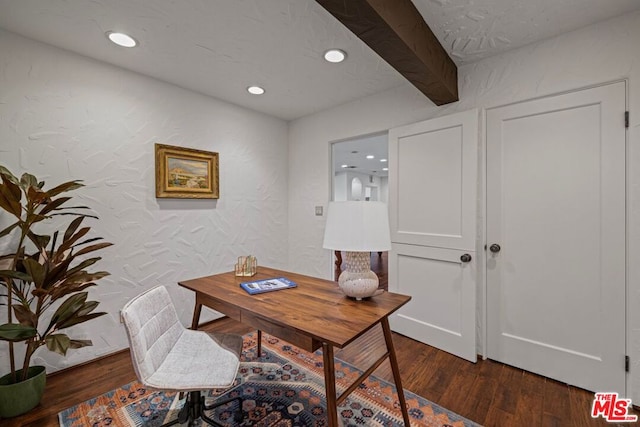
487, 392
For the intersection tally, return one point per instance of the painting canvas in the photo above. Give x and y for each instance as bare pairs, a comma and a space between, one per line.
186, 173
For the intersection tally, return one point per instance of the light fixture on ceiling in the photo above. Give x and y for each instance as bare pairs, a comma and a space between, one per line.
121, 39
335, 55
255, 90
371, 156
344, 166
383, 160
385, 169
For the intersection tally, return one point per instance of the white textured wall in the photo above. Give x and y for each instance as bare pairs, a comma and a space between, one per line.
600, 53
63, 117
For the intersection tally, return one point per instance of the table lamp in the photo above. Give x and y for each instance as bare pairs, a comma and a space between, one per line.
358, 228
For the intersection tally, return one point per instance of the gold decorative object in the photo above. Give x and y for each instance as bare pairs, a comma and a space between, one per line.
246, 266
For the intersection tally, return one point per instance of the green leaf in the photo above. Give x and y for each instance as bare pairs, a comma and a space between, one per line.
69, 308
88, 307
58, 343
80, 343
6, 173
19, 275
74, 320
9, 229
24, 315
15, 332
27, 180
41, 242
36, 270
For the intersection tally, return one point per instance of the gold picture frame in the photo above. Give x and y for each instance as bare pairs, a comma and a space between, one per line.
186, 173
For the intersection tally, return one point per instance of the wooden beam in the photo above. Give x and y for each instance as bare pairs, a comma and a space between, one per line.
396, 31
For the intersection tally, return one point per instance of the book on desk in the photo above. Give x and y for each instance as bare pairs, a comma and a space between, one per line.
267, 285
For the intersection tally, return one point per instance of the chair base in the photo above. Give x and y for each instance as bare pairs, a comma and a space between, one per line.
194, 408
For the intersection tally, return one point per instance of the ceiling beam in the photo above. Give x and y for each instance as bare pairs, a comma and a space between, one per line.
396, 31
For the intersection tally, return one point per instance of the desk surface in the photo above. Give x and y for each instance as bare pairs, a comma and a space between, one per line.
315, 308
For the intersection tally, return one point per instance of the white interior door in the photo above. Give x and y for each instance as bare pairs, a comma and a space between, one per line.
556, 207
432, 202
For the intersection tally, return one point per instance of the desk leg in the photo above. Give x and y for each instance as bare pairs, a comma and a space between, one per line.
396, 371
196, 316
330, 384
259, 354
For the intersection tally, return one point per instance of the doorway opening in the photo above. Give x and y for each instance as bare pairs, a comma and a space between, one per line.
360, 171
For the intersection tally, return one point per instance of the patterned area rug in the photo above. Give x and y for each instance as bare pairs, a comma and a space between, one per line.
284, 388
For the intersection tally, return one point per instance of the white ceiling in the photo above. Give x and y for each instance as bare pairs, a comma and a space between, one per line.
219, 47
354, 152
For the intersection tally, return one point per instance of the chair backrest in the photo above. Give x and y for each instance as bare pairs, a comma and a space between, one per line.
153, 328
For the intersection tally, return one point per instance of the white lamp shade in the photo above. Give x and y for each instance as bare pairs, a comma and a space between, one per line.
357, 227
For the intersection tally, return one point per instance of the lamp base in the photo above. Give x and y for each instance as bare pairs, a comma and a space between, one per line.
357, 280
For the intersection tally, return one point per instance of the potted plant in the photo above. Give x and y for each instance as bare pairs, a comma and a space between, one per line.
43, 280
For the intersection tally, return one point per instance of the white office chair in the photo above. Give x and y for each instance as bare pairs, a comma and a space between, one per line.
167, 356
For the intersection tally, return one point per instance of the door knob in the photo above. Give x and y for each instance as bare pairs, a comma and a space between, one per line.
495, 248
465, 258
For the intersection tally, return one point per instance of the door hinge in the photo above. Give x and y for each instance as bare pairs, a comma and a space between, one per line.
626, 363
626, 119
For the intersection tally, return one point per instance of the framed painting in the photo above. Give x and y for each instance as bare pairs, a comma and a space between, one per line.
185, 173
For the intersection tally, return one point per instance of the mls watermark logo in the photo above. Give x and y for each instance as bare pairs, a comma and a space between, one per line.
612, 409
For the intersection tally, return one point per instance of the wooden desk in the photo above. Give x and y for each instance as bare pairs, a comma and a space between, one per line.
314, 315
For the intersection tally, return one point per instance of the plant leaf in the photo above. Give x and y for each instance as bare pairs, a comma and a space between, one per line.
27, 180
9, 229
66, 186
36, 270
67, 242
36, 196
80, 343
88, 307
74, 320
68, 308
6, 173
24, 315
74, 214
19, 275
92, 248
73, 227
15, 332
41, 242
8, 200
53, 204
58, 343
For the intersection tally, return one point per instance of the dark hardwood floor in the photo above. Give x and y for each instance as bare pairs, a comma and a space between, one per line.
487, 392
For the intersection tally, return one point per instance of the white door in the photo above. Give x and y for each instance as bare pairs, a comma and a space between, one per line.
556, 208
432, 202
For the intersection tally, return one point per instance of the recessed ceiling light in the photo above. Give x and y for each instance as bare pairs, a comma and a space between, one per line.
385, 169
335, 55
255, 90
383, 160
121, 39
371, 156
344, 166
